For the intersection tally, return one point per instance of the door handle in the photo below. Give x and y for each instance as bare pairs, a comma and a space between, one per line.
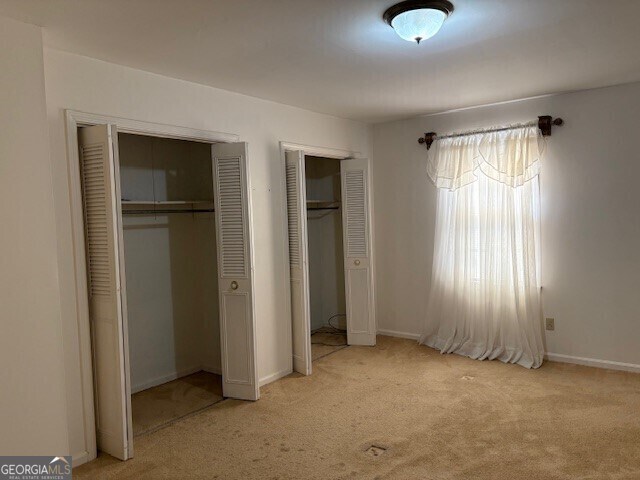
234, 285
356, 262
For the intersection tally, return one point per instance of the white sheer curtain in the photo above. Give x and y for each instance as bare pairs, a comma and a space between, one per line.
485, 295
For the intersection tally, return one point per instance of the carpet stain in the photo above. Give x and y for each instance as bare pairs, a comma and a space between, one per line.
375, 450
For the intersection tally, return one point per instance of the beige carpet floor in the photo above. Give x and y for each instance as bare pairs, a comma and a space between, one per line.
430, 416
326, 341
158, 406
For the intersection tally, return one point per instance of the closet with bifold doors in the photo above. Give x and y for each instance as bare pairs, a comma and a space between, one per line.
169, 244
169, 280
330, 255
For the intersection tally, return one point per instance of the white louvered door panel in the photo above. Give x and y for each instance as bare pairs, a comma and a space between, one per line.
358, 263
298, 262
235, 271
105, 281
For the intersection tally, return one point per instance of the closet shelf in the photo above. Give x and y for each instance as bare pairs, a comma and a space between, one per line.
165, 202
166, 206
323, 205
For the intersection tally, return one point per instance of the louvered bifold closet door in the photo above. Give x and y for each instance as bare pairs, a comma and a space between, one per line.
298, 262
358, 259
235, 271
105, 284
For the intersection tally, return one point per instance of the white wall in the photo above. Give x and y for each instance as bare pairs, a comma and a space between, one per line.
32, 402
590, 219
326, 255
170, 261
89, 85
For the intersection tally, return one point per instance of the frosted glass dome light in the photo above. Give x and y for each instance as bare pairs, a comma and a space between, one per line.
416, 20
417, 25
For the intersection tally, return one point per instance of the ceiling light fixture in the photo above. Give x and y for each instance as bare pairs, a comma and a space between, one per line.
417, 20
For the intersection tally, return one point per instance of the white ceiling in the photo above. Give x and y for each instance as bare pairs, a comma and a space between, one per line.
339, 57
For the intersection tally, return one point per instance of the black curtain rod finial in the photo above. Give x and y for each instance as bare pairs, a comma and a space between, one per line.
545, 122
428, 139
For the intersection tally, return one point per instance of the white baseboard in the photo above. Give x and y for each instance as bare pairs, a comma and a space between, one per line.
275, 376
81, 458
212, 369
553, 357
395, 333
593, 362
164, 379
207, 368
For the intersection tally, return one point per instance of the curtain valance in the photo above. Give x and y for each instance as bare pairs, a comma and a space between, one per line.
511, 156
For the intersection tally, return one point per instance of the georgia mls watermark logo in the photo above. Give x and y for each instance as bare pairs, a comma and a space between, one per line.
35, 468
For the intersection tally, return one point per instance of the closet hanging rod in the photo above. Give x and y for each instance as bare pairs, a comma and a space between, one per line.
163, 211
323, 208
545, 122
323, 203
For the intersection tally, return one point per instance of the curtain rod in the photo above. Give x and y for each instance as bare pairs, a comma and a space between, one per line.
544, 123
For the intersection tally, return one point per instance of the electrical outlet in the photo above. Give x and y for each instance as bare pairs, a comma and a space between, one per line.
550, 323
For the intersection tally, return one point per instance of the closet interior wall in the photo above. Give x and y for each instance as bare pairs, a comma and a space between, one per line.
326, 258
170, 261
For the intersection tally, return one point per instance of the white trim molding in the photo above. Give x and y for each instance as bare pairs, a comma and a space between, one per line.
76, 119
79, 458
552, 357
395, 333
274, 376
593, 362
174, 376
319, 151
212, 369
154, 382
